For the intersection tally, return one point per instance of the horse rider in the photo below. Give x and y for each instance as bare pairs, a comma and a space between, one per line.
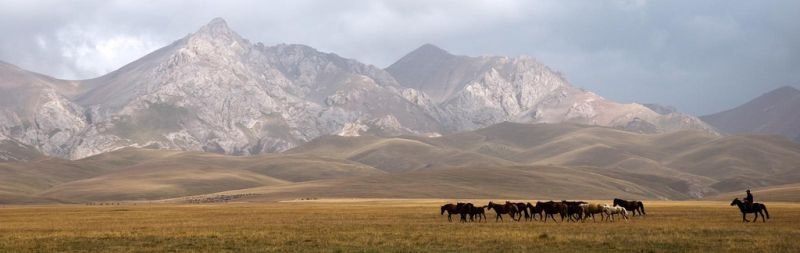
748, 200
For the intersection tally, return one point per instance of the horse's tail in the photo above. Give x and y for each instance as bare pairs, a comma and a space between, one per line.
765, 210
641, 207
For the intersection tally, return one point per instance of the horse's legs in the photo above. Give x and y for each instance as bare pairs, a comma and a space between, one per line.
449, 217
744, 217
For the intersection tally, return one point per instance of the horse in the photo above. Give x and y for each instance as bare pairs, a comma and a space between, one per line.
463, 210
610, 211
521, 209
755, 208
450, 209
549, 208
573, 209
633, 206
499, 209
477, 211
591, 210
533, 211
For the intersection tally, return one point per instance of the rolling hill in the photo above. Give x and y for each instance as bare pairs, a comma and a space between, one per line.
507, 160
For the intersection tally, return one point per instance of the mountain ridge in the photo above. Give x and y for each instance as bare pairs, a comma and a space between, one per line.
774, 112
215, 91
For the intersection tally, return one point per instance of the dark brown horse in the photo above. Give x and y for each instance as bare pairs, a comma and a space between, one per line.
533, 211
499, 209
631, 206
463, 209
450, 209
573, 209
549, 209
755, 208
521, 210
478, 211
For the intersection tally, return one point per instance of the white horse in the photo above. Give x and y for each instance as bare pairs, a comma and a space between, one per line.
610, 211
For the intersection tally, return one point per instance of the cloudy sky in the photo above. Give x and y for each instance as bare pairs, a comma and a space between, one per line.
700, 56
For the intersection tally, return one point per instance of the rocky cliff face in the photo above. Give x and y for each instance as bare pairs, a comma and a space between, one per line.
215, 91
34, 110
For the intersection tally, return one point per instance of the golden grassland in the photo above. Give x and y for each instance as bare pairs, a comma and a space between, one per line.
381, 226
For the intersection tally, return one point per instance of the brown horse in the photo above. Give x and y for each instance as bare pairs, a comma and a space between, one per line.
755, 208
573, 209
549, 209
450, 209
463, 209
499, 209
476, 211
631, 206
533, 211
591, 210
521, 209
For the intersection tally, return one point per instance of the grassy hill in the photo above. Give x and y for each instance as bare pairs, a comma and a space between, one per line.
558, 161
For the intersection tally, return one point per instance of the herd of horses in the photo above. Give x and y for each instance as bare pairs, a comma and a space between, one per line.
572, 210
566, 210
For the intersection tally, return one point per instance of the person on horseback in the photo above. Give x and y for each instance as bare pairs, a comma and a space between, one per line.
748, 200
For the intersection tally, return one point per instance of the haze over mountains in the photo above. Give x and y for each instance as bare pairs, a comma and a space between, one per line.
215, 91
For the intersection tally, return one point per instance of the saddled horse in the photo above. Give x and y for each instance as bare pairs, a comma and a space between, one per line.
450, 209
755, 208
521, 209
549, 209
592, 209
499, 209
632, 206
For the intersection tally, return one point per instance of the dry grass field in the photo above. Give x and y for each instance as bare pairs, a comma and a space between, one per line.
381, 226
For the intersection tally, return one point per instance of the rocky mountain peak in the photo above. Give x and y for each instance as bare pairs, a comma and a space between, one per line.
216, 26
217, 33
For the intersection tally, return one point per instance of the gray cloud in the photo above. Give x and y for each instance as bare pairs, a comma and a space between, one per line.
701, 56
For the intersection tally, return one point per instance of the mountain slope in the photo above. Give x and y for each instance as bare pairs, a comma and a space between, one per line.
475, 92
35, 110
775, 112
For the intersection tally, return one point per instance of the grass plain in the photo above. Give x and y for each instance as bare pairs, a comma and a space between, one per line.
382, 226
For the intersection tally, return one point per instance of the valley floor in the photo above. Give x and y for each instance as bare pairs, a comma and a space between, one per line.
381, 226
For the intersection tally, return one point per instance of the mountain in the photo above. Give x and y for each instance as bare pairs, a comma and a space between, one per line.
36, 110
215, 91
507, 160
475, 92
776, 112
